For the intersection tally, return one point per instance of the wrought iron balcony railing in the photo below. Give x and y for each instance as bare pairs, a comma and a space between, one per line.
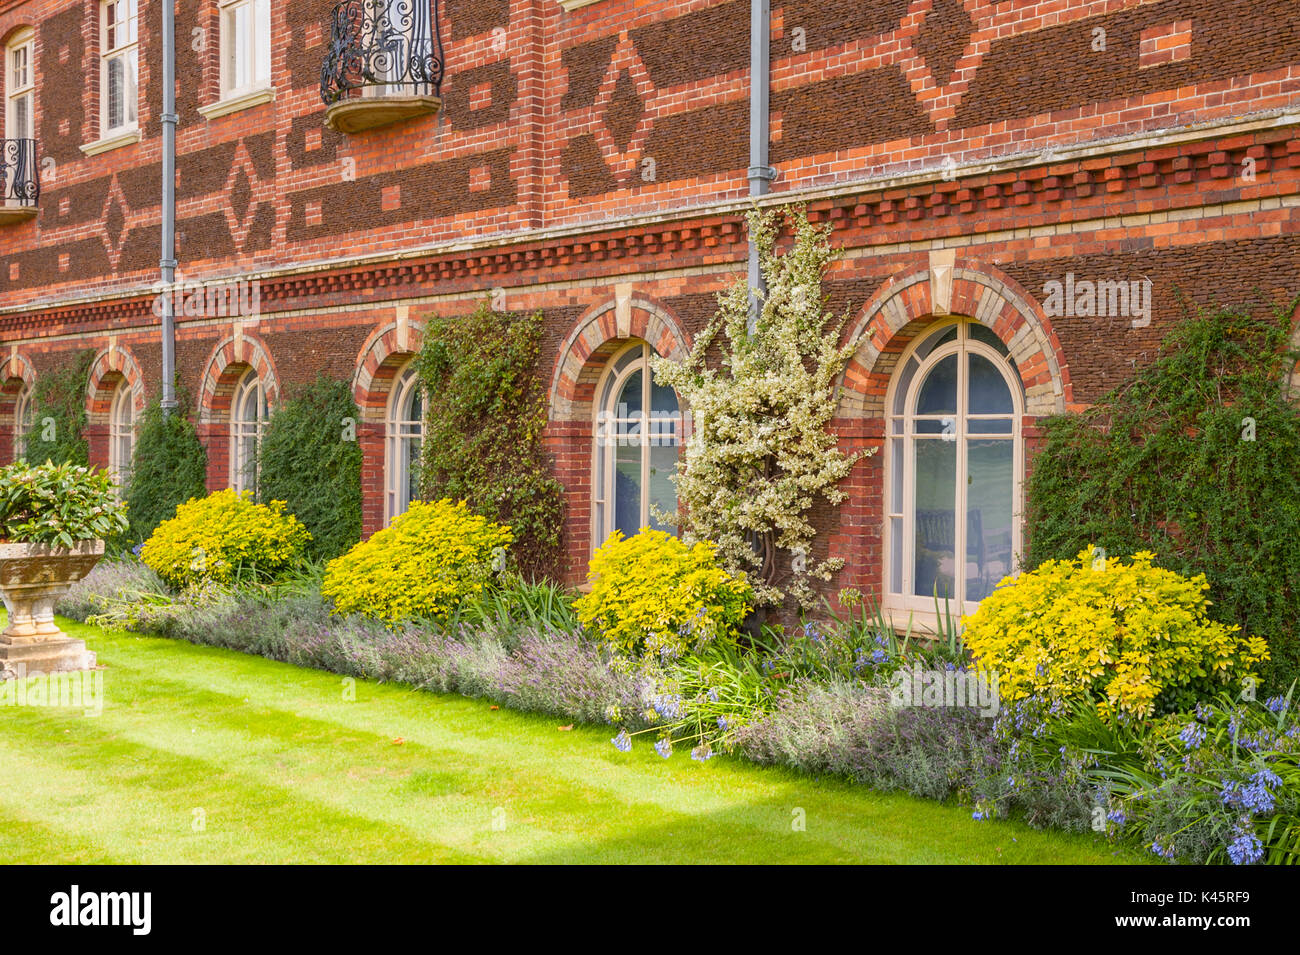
20, 184
385, 62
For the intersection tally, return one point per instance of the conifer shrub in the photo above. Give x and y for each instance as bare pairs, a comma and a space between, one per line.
310, 459
168, 468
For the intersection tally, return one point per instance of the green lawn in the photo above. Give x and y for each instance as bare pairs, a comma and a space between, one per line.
285, 769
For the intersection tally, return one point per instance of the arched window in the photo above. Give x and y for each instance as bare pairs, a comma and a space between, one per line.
637, 438
954, 459
24, 418
404, 435
121, 435
248, 416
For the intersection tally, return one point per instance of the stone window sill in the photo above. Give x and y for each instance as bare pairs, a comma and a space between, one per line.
233, 104
115, 141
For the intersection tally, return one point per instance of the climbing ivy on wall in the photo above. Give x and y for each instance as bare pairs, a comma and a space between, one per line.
486, 408
1198, 460
58, 431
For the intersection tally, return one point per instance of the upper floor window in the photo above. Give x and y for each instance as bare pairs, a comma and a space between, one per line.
20, 87
119, 66
638, 437
405, 435
121, 435
248, 416
245, 46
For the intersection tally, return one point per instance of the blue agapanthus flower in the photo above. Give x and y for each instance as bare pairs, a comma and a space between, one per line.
702, 753
1245, 848
664, 747
622, 742
1275, 704
1193, 735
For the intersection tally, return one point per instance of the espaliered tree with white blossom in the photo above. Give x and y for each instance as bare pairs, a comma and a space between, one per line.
760, 455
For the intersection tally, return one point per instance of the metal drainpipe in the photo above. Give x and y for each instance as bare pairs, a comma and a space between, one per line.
167, 263
760, 173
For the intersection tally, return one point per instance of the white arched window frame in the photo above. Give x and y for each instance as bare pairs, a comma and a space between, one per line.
24, 418
638, 434
121, 435
248, 416
403, 439
954, 407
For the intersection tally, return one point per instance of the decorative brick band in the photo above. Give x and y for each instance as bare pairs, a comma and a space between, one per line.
109, 368
225, 365
596, 336
954, 285
386, 350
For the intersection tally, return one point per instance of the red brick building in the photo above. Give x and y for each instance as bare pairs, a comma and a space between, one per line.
1024, 190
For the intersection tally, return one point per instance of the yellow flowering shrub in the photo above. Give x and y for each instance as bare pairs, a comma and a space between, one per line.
424, 564
218, 537
651, 593
1133, 637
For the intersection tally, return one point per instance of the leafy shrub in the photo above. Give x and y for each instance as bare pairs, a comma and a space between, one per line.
1134, 637
168, 468
59, 399
57, 504
653, 594
224, 537
310, 459
515, 604
483, 427
425, 564
1169, 463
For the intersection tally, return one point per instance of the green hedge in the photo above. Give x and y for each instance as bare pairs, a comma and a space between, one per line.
483, 428
1167, 463
309, 458
59, 414
168, 467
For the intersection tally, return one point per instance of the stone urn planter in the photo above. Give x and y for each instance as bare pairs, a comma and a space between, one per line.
32, 579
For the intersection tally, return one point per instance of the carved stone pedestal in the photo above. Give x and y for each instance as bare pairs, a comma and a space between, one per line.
32, 578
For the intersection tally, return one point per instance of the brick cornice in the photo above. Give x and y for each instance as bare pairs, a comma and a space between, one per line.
1065, 186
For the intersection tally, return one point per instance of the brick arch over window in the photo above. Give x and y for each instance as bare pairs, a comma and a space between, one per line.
594, 338
384, 354
108, 370
226, 365
16, 376
906, 304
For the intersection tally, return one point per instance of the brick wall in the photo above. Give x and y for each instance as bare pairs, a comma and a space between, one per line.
587, 156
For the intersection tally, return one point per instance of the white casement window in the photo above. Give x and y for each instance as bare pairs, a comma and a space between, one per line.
638, 435
24, 418
249, 413
245, 47
20, 87
119, 66
952, 472
403, 439
121, 435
